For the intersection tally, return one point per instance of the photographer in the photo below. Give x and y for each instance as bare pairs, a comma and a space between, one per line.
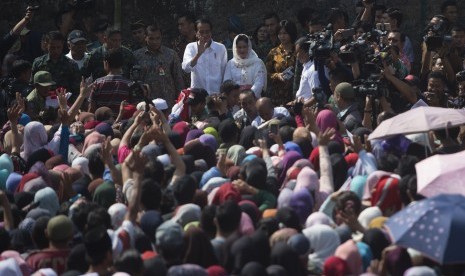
459, 101
457, 48
434, 45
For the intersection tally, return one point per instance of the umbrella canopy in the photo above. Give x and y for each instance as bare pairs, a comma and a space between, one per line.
433, 226
441, 174
421, 119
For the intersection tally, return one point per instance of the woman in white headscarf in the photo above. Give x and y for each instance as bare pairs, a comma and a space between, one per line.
323, 241
246, 68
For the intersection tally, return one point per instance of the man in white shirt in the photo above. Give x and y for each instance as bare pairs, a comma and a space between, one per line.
266, 112
77, 44
309, 78
205, 59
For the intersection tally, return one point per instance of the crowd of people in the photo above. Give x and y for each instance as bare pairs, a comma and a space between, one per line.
246, 157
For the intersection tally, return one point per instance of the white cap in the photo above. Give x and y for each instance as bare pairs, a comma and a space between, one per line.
160, 104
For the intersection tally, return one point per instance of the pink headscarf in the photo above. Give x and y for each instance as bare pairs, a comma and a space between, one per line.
327, 119
35, 137
348, 252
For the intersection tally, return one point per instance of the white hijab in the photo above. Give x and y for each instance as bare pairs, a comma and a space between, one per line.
251, 57
323, 240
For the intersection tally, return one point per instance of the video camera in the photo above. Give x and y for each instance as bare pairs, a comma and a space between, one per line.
321, 44
435, 34
374, 87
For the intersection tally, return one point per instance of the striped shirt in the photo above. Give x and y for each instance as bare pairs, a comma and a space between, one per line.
110, 91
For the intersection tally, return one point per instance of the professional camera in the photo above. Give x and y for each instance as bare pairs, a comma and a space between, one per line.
355, 51
33, 5
321, 44
374, 87
435, 35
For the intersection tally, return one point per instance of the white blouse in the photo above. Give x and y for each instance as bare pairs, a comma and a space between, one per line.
253, 75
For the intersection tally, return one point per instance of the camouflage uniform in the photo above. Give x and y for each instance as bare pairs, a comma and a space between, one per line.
94, 64
162, 71
65, 72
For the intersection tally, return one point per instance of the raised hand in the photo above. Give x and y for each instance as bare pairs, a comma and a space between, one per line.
61, 96
14, 113
326, 136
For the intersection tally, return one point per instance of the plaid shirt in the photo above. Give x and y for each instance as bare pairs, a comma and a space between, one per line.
110, 91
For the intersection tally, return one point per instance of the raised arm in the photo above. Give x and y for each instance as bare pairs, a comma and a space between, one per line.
326, 171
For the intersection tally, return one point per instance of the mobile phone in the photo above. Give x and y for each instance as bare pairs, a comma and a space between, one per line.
348, 33
274, 128
383, 26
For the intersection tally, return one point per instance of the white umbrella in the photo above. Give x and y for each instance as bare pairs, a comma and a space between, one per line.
421, 119
441, 174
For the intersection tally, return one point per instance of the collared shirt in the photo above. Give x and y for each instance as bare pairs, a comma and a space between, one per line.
308, 81
110, 91
162, 71
79, 62
209, 70
279, 112
64, 71
94, 64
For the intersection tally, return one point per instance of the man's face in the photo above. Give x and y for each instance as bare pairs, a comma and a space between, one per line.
55, 48
78, 48
139, 35
204, 32
394, 39
233, 98
265, 111
113, 41
379, 16
302, 56
247, 103
458, 39
184, 26
451, 13
42, 90
153, 40
385, 18
272, 26
436, 90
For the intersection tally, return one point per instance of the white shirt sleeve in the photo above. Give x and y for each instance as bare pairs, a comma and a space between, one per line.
259, 82
228, 71
224, 60
189, 54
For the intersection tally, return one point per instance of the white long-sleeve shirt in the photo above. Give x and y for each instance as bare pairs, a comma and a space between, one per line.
308, 81
253, 75
209, 70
